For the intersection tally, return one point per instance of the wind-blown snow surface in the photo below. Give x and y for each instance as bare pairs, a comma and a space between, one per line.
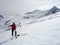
40, 33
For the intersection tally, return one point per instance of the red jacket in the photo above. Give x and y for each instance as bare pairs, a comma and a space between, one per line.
13, 27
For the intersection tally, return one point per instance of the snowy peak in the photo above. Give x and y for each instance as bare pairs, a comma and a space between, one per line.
1, 17
36, 11
53, 10
34, 14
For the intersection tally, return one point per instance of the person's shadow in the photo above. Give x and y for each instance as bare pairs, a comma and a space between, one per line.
5, 41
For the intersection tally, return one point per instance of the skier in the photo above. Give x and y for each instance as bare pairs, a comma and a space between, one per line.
19, 24
13, 29
19, 28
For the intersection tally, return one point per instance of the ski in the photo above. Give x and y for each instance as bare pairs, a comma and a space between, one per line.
18, 36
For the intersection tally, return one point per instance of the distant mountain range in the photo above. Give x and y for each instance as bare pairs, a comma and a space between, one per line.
41, 13
35, 14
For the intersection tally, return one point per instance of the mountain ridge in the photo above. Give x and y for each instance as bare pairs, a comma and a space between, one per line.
41, 13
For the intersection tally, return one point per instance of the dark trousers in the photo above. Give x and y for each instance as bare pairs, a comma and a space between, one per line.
14, 32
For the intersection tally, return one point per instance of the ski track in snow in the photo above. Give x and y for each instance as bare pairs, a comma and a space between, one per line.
40, 33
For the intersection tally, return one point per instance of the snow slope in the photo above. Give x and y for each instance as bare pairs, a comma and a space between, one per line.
40, 33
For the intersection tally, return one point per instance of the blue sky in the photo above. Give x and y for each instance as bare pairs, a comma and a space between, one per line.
14, 7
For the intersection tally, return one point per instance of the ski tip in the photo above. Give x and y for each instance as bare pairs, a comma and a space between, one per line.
18, 35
